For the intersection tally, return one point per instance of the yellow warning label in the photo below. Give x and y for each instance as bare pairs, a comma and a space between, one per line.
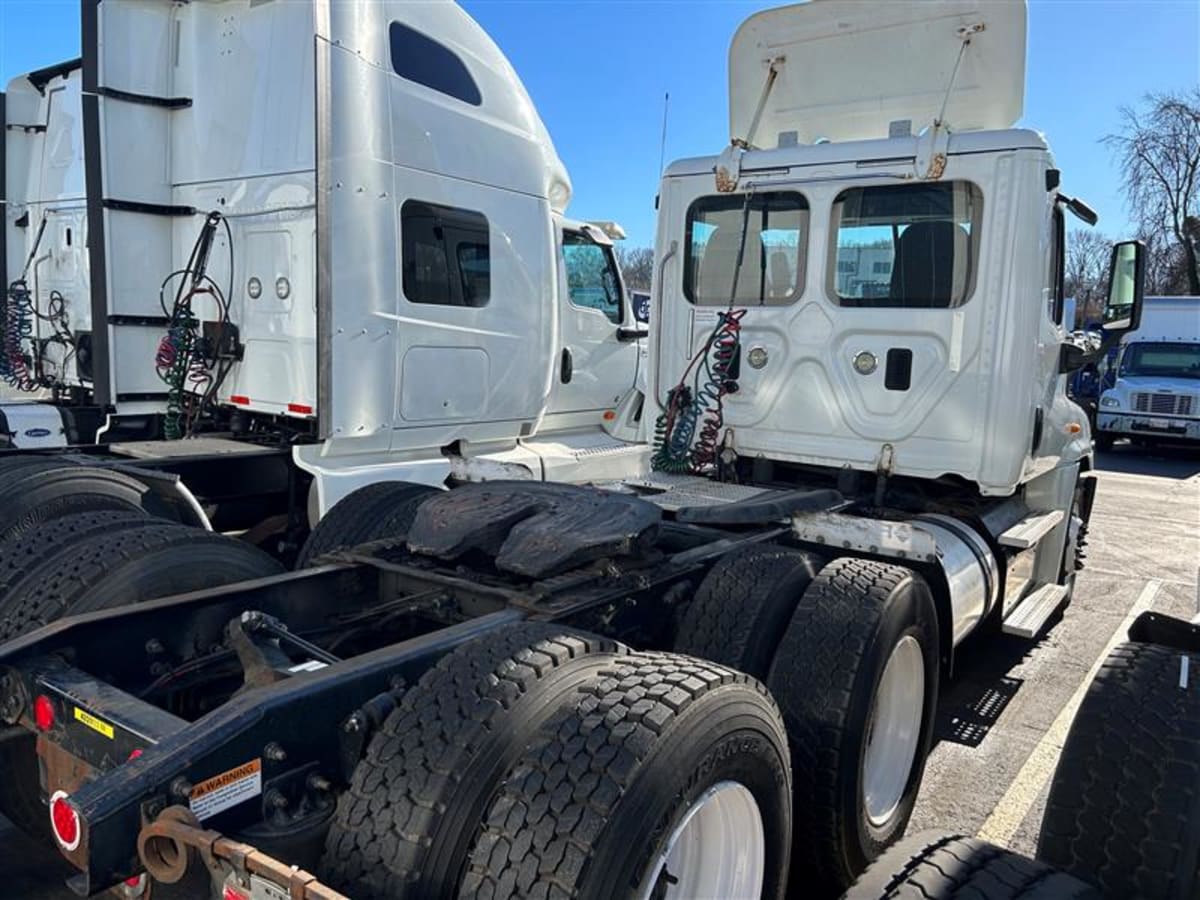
93, 723
227, 789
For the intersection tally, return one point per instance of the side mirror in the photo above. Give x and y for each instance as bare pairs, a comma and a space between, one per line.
641, 307
1126, 280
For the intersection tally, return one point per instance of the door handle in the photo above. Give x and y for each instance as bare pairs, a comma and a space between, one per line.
632, 334
566, 367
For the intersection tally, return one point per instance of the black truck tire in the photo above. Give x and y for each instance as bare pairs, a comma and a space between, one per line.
593, 809
1124, 804
743, 605
22, 553
38, 491
381, 510
129, 565
405, 825
937, 866
858, 740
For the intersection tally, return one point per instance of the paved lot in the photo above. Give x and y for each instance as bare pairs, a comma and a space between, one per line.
1002, 721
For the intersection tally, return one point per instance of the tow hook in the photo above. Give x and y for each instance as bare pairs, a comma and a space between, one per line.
168, 845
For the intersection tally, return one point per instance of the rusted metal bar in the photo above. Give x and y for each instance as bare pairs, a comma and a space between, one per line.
168, 844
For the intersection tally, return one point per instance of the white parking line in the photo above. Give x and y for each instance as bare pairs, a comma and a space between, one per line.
1018, 800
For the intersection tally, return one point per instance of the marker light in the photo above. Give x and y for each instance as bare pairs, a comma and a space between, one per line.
254, 288
283, 288
43, 713
865, 362
64, 821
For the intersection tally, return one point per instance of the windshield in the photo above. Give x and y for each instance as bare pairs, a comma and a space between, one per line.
1163, 360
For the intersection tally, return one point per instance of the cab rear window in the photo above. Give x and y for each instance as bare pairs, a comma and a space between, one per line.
773, 262
912, 246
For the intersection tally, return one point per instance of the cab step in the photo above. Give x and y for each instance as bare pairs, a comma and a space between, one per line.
1030, 530
1029, 616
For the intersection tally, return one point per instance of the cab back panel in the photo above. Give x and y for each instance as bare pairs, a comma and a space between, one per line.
46, 191
962, 408
235, 135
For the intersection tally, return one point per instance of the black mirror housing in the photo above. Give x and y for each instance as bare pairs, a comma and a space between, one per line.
1126, 283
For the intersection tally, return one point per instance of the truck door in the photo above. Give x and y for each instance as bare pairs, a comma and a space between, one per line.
598, 353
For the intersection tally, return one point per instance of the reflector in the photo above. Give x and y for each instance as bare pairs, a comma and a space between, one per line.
64, 821
43, 713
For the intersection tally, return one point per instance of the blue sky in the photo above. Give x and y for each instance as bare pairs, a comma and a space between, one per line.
598, 71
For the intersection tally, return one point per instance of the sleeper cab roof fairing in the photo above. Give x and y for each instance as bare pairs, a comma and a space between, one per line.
363, 27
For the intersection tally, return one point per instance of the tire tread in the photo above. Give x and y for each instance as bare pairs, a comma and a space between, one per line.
1124, 803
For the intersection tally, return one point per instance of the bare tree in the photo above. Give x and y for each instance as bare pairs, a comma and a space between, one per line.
1086, 275
637, 265
1159, 153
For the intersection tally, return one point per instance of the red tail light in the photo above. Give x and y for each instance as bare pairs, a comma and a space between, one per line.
64, 821
303, 409
43, 713
240, 399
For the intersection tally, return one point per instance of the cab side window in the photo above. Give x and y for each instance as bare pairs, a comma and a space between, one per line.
592, 280
1058, 250
445, 255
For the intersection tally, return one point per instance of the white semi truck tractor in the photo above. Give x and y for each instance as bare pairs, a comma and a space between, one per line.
685, 643
163, 326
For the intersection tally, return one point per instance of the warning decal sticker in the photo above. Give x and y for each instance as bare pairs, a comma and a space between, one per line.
220, 792
93, 723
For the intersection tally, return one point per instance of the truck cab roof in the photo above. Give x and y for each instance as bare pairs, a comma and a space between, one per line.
896, 149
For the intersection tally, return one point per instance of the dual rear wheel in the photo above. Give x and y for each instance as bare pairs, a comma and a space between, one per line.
544, 762
850, 650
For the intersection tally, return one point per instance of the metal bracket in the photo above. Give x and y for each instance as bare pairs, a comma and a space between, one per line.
932, 152
729, 168
878, 537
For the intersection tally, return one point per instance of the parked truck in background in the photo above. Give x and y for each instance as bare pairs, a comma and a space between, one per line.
688, 640
1151, 393
173, 390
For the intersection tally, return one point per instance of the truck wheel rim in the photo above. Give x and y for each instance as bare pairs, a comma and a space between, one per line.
718, 849
894, 730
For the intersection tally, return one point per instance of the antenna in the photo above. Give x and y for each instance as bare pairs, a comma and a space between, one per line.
662, 147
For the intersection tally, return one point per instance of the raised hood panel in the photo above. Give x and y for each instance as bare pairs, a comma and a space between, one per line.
851, 68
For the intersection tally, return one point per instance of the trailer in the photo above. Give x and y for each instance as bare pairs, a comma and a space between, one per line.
688, 642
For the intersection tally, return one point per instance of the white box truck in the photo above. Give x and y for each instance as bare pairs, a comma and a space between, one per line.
1151, 392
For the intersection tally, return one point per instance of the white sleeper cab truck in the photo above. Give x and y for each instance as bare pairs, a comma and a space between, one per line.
45, 306
257, 355
701, 661
1152, 392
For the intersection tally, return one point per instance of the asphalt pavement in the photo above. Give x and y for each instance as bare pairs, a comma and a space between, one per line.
1002, 720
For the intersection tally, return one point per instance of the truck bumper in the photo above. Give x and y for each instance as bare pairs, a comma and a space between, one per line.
1145, 425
